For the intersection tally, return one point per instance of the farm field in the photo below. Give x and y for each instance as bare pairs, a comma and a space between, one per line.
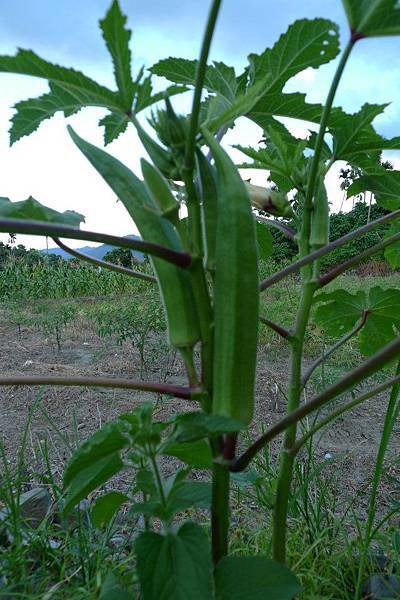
200, 385
91, 344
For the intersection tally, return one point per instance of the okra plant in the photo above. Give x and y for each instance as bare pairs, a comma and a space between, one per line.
204, 229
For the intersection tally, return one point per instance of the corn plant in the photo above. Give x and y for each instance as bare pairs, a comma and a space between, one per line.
206, 266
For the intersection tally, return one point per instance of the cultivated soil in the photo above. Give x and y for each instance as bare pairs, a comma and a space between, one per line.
350, 445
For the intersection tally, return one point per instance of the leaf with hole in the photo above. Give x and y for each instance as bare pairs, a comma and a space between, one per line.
307, 43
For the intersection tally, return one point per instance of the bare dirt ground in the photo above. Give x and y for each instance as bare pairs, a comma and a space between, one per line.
77, 412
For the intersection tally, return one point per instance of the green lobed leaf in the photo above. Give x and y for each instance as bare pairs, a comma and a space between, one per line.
114, 124
264, 241
306, 43
33, 210
117, 37
372, 18
106, 506
254, 578
175, 566
386, 188
355, 139
197, 454
219, 78
70, 90
340, 311
292, 105
88, 479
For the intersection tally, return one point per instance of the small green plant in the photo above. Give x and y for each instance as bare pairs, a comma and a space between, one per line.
52, 319
133, 320
206, 266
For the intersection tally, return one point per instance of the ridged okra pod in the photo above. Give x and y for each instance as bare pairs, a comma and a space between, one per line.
174, 282
159, 190
319, 236
236, 293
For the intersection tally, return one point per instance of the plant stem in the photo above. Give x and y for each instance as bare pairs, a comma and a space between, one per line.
108, 382
104, 264
181, 259
308, 204
358, 374
200, 76
296, 266
278, 225
392, 413
286, 462
189, 161
220, 511
277, 328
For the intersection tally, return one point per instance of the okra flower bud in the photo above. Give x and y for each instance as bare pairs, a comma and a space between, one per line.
270, 201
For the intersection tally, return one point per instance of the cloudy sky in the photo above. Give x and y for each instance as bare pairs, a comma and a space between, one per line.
47, 166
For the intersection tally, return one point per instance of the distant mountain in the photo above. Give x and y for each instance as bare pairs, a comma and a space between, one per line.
94, 251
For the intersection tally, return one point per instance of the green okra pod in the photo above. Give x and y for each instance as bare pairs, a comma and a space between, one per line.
209, 208
174, 282
236, 293
319, 236
159, 190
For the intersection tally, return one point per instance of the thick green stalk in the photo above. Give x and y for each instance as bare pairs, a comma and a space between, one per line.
392, 412
220, 511
189, 162
287, 460
295, 385
308, 204
305, 260
200, 76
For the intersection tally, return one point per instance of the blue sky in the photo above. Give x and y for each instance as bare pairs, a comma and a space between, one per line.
46, 164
